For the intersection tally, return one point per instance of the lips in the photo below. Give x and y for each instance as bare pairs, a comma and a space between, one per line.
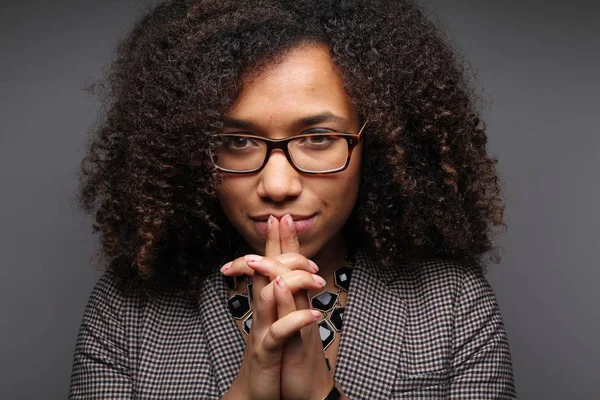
301, 223
295, 217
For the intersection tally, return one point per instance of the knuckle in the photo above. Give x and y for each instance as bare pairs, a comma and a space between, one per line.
298, 259
291, 259
264, 294
276, 333
239, 261
269, 262
279, 265
302, 275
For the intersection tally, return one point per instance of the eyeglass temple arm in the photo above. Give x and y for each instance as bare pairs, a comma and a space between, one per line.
362, 129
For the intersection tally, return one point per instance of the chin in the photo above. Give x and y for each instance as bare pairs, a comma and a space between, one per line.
311, 249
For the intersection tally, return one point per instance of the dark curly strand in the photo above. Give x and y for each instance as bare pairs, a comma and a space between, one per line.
428, 189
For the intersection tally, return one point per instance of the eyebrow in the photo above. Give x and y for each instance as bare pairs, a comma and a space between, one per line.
326, 116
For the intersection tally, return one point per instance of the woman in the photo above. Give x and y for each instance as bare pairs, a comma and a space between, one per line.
295, 201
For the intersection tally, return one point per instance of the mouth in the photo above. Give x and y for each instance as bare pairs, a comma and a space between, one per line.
301, 223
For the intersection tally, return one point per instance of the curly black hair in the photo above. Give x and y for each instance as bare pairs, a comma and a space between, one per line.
428, 188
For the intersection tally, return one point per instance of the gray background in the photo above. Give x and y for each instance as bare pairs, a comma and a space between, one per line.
537, 66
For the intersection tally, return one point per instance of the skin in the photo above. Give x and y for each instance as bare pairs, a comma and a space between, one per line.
304, 84
292, 336
284, 348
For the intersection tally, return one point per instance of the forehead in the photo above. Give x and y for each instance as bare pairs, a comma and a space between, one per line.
305, 82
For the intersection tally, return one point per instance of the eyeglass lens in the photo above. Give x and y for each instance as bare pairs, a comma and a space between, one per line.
311, 153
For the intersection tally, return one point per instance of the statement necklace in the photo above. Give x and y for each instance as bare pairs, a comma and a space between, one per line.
327, 302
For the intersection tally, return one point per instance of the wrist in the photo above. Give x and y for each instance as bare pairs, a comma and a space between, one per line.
234, 392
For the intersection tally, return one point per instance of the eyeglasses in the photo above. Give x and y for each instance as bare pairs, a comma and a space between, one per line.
312, 153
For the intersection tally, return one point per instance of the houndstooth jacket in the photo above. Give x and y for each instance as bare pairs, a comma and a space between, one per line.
435, 332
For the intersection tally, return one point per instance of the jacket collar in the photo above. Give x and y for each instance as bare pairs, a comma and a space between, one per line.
370, 346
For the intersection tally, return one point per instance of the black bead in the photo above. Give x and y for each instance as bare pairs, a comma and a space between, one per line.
337, 317
247, 324
327, 333
239, 305
334, 394
324, 301
341, 278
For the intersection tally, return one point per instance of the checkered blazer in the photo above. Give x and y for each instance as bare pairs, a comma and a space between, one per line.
431, 333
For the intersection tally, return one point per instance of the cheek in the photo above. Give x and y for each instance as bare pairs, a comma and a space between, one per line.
348, 187
352, 176
340, 195
232, 193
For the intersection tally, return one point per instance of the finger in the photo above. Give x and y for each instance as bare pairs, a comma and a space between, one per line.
265, 311
290, 244
288, 236
272, 248
264, 305
291, 261
297, 261
271, 267
296, 282
285, 327
272, 245
266, 266
237, 267
285, 304
283, 298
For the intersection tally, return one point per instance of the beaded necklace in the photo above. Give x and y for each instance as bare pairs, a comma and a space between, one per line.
326, 301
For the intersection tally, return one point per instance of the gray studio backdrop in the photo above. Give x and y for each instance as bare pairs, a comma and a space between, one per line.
537, 65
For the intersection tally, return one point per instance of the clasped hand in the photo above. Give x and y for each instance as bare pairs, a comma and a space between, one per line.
283, 358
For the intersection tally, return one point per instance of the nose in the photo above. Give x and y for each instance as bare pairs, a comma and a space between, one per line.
279, 181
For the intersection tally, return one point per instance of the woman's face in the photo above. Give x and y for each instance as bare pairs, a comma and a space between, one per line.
306, 85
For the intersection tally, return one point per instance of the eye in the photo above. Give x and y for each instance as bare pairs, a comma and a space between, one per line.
318, 139
317, 142
239, 143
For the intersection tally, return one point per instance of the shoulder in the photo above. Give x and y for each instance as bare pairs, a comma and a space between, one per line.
111, 292
125, 301
445, 275
445, 285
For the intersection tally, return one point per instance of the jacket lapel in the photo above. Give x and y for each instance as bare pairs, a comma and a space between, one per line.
371, 339
225, 342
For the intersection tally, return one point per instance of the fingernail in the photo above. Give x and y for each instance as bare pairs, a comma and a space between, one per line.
319, 280
270, 222
251, 258
287, 218
312, 264
316, 314
279, 281
226, 266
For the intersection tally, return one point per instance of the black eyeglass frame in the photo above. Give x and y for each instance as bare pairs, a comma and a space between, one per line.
352, 140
